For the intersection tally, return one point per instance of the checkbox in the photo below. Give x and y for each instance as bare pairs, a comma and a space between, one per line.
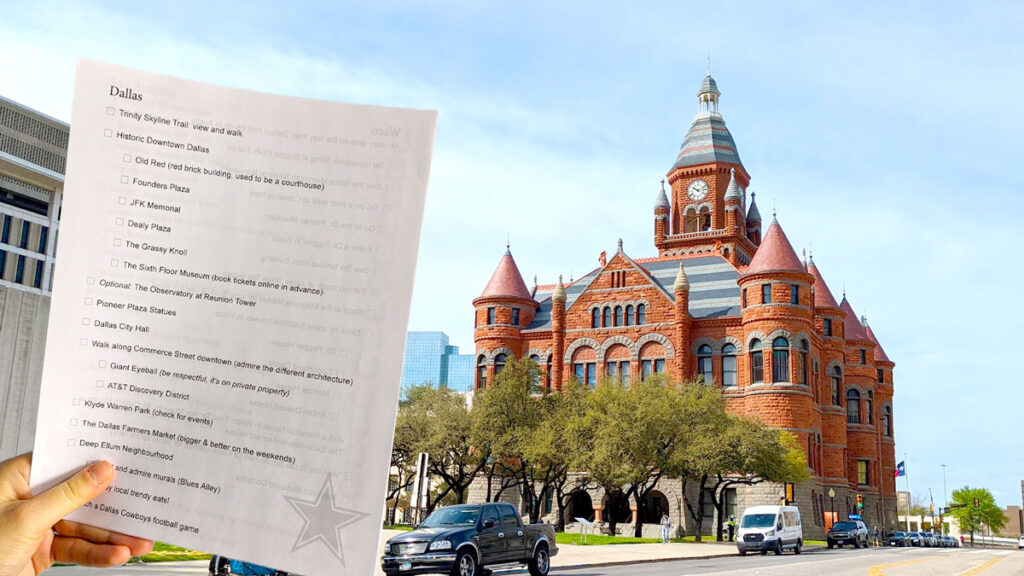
85, 321
102, 364
83, 341
71, 443
127, 158
73, 422
90, 280
108, 132
76, 402
114, 263
124, 179
117, 241
88, 301
100, 384
110, 110
119, 221
122, 200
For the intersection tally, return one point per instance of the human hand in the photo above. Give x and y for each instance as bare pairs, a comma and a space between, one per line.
33, 534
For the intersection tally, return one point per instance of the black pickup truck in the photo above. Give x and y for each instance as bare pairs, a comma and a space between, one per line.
461, 540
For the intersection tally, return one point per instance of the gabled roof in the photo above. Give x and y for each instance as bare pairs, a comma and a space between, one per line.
775, 254
854, 331
506, 280
822, 295
880, 355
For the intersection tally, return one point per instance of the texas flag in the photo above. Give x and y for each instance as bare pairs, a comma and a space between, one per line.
900, 470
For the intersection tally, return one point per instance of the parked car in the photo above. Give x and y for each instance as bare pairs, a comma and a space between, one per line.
915, 539
1020, 543
850, 532
898, 539
461, 540
223, 566
774, 528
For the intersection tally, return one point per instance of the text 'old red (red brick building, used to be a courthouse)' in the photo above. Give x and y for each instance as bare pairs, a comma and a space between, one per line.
726, 300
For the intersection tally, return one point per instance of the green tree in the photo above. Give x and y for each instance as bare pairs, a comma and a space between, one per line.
438, 421
972, 517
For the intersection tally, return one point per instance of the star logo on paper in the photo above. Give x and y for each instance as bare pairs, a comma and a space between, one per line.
323, 520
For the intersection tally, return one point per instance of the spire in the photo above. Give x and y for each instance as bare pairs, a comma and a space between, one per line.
822, 295
662, 201
558, 294
619, 248
682, 283
733, 192
854, 331
775, 254
506, 280
752, 214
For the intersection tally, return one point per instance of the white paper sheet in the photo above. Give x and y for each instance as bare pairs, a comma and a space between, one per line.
233, 280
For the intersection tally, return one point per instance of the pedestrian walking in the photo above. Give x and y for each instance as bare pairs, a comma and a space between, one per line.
665, 524
732, 526
874, 537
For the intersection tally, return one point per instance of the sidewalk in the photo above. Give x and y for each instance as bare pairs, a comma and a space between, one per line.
572, 556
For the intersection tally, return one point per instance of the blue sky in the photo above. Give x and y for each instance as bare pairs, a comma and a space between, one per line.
887, 136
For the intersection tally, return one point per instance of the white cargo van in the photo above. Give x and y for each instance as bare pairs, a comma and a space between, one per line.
774, 528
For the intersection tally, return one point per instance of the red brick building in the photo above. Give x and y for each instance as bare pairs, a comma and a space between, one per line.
727, 302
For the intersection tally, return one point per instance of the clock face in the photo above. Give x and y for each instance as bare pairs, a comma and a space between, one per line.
697, 190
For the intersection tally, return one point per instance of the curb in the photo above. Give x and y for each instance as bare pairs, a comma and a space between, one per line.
654, 560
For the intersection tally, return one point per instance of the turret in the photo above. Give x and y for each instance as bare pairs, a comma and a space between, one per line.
661, 212
733, 202
753, 221
681, 290
557, 335
503, 310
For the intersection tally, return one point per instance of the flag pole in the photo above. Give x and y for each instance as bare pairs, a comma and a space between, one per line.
906, 477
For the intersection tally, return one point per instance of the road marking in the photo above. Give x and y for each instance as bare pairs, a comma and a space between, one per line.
1004, 553
981, 568
879, 569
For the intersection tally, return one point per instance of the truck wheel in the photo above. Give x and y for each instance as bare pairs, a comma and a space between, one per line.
799, 543
778, 548
541, 562
856, 544
465, 564
743, 552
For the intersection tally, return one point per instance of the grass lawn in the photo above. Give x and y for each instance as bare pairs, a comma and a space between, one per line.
567, 538
167, 553
402, 527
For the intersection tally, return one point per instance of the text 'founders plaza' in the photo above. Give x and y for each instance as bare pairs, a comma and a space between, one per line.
727, 300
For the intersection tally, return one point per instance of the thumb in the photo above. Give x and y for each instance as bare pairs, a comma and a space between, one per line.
51, 506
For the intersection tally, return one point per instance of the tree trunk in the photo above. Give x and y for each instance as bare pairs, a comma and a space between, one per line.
560, 524
638, 526
490, 479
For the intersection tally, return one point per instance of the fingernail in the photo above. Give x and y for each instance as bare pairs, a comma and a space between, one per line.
100, 472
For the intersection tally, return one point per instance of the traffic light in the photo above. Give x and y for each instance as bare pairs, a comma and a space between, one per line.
790, 492
860, 501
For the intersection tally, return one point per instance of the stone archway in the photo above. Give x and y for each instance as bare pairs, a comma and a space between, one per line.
616, 505
580, 506
655, 505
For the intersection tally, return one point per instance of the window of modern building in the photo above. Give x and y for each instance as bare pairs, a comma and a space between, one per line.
629, 315
40, 264
869, 407
766, 293
704, 365
618, 315
490, 315
837, 386
852, 406
728, 365
780, 360
805, 349
881, 376
756, 361
863, 356
887, 421
515, 316
19, 274
499, 363
606, 316
595, 318
5, 237
794, 294
828, 326
481, 371
863, 473
641, 314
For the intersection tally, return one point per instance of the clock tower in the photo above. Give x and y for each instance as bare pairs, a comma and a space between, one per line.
708, 211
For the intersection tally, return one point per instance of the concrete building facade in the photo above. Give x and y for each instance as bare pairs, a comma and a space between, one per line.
725, 301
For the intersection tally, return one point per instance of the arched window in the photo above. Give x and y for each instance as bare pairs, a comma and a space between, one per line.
705, 219
780, 360
869, 407
837, 386
595, 318
887, 421
606, 316
641, 314
652, 359
584, 365
802, 367
618, 315
756, 361
499, 363
547, 375
481, 371
704, 368
629, 315
852, 406
728, 365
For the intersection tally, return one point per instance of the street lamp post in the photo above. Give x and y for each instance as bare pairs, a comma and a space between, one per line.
832, 496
